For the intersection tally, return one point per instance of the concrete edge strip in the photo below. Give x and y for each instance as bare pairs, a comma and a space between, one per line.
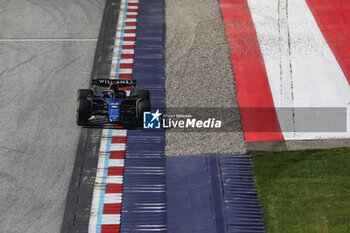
266, 146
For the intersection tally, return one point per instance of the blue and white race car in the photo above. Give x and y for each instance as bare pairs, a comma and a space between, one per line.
112, 105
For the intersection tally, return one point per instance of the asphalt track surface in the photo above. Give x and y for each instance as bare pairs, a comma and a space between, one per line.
46, 54
199, 74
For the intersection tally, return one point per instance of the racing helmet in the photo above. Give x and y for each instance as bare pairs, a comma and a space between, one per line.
108, 94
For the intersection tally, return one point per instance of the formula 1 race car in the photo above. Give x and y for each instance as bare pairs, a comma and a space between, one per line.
112, 105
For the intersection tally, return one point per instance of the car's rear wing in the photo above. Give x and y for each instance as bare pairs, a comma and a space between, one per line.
120, 82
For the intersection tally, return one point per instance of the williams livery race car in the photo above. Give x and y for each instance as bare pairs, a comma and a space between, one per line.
112, 105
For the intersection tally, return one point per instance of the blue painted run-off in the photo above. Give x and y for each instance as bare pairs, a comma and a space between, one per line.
212, 193
144, 189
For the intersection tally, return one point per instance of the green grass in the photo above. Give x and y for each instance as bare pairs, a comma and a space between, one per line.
304, 191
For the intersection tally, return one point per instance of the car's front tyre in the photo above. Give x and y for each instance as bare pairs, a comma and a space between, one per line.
84, 93
83, 111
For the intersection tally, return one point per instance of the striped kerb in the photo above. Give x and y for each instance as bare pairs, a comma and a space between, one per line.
107, 196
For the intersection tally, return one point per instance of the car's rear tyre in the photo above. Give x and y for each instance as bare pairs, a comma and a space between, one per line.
83, 111
142, 106
143, 94
85, 93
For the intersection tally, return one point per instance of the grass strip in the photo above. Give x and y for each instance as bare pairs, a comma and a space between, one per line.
304, 191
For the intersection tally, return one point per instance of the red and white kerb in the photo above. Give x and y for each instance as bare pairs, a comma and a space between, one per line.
106, 205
